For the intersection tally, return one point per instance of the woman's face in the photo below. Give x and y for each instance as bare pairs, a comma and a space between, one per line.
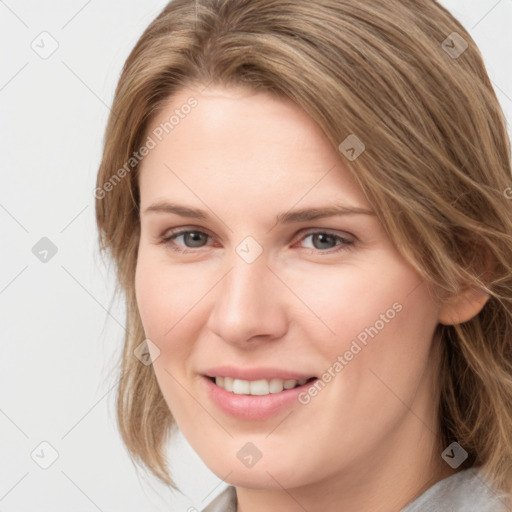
243, 276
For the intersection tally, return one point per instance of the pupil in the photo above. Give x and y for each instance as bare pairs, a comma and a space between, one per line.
324, 238
194, 237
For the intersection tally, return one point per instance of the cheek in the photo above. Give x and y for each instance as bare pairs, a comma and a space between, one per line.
370, 299
383, 318
164, 295
385, 342
152, 299
165, 298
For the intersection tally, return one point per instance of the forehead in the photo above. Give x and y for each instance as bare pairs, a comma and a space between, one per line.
239, 142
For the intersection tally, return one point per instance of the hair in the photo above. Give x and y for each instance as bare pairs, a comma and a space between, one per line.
435, 167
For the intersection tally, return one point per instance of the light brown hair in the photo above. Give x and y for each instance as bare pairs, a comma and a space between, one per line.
436, 169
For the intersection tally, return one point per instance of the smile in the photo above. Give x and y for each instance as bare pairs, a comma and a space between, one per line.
259, 387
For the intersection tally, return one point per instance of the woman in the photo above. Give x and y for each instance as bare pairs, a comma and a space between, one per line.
308, 205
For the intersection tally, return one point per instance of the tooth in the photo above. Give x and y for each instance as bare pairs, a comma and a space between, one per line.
289, 384
276, 386
259, 387
228, 383
241, 387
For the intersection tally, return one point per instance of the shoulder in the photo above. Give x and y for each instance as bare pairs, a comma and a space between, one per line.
466, 491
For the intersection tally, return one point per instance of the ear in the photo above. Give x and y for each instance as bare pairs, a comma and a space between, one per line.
462, 307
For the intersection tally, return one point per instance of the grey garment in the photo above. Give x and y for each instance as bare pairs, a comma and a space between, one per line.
465, 491
224, 502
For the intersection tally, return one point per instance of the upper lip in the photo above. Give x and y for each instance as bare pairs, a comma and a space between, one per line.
256, 373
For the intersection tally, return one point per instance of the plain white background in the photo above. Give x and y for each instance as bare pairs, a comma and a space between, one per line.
61, 331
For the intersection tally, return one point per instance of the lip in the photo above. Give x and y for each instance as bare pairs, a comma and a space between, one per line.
251, 407
256, 373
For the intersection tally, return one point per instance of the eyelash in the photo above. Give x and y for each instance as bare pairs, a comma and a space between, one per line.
168, 240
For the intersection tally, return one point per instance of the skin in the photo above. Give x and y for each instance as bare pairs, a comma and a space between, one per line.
368, 440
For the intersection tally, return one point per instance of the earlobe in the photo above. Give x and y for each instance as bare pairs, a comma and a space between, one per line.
462, 307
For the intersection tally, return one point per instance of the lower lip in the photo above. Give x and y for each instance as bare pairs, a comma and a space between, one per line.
252, 407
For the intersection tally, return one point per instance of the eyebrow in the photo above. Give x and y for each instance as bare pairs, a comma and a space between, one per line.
301, 215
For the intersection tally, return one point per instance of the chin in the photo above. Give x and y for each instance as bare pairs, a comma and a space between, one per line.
273, 471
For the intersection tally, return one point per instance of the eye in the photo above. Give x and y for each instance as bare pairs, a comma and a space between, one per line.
193, 239
322, 241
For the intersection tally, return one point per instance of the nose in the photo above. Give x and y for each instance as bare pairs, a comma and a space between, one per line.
249, 304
